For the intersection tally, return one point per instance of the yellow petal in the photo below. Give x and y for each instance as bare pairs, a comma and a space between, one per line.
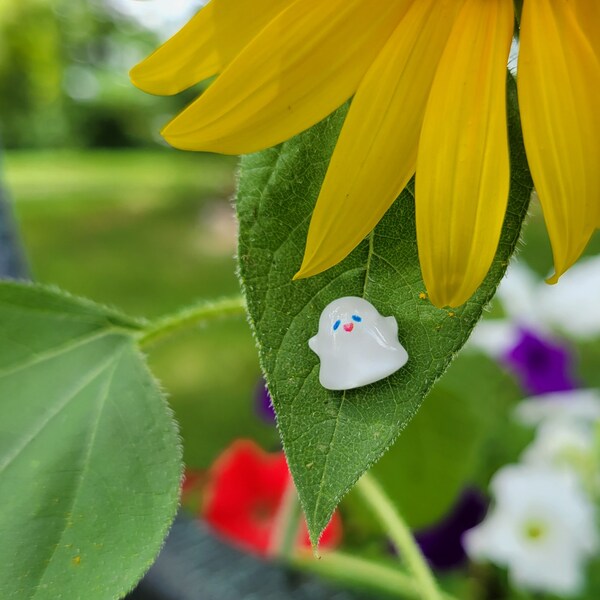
559, 83
377, 149
587, 13
302, 66
205, 45
462, 166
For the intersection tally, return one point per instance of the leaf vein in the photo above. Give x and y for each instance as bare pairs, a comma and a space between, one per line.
54, 352
337, 420
49, 417
102, 398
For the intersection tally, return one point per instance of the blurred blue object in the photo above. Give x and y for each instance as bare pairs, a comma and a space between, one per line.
193, 565
12, 261
442, 542
263, 403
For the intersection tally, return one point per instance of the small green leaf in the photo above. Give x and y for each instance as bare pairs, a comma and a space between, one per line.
331, 438
90, 460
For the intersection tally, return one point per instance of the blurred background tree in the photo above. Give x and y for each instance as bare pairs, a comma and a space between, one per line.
63, 76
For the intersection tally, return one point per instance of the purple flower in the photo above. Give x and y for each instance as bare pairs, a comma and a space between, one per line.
263, 404
540, 364
441, 543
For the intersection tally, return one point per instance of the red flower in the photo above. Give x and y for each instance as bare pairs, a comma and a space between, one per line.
192, 481
192, 484
244, 495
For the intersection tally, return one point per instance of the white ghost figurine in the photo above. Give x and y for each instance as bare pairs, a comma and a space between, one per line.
356, 345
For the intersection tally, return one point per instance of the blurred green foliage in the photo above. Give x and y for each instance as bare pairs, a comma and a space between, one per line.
63, 77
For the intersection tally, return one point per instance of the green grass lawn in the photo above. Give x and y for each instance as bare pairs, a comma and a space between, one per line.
148, 232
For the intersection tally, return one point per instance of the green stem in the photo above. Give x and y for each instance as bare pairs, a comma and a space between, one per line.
358, 572
287, 525
400, 534
192, 315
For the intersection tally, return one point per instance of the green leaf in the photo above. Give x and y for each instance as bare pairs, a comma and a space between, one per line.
90, 459
331, 438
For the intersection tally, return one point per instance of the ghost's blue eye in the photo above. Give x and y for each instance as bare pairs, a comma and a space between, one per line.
356, 318
336, 325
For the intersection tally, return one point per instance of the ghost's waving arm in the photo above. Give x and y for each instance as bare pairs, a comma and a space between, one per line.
393, 325
313, 345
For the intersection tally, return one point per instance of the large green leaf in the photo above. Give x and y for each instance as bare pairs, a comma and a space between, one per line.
90, 459
331, 438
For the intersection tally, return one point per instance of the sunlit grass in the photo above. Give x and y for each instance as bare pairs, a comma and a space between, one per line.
133, 176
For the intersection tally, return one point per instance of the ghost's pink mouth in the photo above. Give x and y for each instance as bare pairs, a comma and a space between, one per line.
348, 326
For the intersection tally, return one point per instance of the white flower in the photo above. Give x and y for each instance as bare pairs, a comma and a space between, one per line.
571, 405
516, 293
494, 337
560, 445
566, 445
571, 306
568, 426
542, 528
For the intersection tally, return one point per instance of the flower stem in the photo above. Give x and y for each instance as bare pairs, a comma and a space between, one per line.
287, 525
205, 310
400, 534
360, 573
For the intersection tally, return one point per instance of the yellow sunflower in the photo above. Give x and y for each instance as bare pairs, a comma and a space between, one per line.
428, 80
